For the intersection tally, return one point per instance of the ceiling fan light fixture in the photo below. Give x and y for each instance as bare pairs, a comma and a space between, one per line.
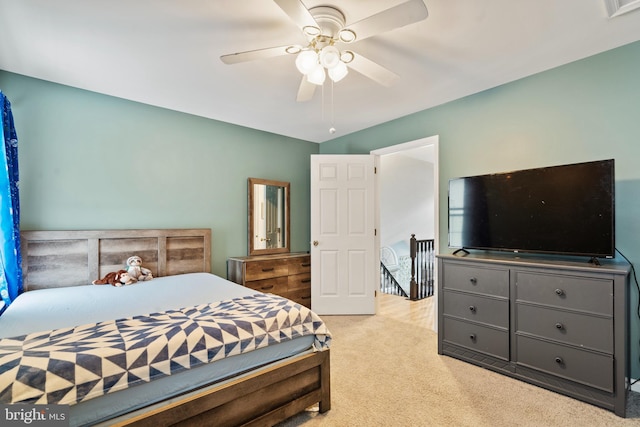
346, 56
311, 30
329, 57
317, 75
346, 35
323, 27
338, 72
307, 61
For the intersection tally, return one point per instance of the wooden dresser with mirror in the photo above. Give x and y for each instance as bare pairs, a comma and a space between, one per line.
270, 267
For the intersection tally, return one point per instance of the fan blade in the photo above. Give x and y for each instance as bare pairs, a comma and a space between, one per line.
398, 16
374, 71
250, 55
298, 13
306, 90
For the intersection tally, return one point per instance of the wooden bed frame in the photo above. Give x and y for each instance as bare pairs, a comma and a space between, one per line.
264, 396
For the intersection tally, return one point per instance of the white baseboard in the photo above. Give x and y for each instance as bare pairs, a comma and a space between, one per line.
636, 386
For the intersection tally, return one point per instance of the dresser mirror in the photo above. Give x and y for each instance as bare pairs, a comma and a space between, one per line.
268, 212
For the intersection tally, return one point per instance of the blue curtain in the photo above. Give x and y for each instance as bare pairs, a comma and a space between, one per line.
10, 257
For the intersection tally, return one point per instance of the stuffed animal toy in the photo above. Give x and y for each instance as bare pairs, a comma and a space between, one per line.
116, 278
136, 270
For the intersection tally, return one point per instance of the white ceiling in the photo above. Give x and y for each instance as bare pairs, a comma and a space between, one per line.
166, 53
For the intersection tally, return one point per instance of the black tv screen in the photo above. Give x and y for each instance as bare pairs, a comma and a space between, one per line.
566, 209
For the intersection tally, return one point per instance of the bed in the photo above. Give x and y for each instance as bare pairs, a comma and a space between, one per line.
237, 381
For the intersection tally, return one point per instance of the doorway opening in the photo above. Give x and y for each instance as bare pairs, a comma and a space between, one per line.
407, 202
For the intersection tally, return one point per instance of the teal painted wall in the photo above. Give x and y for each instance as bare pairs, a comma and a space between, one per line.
94, 161
586, 110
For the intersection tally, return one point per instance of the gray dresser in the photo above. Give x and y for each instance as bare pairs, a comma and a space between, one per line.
560, 323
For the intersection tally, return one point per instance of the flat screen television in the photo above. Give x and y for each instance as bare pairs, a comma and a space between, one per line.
567, 210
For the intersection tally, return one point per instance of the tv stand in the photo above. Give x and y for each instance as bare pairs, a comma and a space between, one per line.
556, 323
461, 250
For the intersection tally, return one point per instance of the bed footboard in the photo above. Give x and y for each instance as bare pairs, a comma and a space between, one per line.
262, 398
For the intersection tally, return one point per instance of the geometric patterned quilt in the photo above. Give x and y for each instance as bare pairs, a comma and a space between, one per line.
71, 365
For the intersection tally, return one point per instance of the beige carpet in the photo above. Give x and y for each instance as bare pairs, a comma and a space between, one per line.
386, 371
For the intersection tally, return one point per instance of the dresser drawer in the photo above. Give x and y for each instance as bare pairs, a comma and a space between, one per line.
273, 285
490, 341
578, 293
300, 281
476, 308
476, 279
572, 328
263, 269
299, 265
288, 274
582, 366
301, 296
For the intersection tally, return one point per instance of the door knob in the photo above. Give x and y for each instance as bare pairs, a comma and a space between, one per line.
315, 243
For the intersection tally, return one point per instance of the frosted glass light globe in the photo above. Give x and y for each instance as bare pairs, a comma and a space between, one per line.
317, 75
306, 61
338, 72
329, 56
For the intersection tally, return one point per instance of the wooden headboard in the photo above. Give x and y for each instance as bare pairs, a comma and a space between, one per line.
77, 257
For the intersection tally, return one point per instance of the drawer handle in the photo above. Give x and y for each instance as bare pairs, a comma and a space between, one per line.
306, 264
305, 280
559, 325
473, 280
472, 308
559, 360
267, 269
559, 292
472, 337
265, 288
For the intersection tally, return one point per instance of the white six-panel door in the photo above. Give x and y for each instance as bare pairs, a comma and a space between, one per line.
343, 268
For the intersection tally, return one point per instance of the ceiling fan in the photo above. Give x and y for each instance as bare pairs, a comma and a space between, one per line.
325, 29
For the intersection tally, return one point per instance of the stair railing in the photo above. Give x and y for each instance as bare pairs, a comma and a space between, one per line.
389, 284
422, 254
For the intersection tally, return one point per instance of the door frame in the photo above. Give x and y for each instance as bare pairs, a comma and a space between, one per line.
418, 143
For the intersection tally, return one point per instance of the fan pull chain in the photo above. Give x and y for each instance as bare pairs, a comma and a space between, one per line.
322, 100
332, 129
